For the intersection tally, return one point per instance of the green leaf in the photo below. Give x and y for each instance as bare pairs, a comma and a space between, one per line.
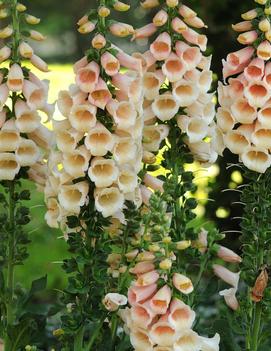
38, 285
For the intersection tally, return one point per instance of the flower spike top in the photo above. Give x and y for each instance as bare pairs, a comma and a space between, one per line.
245, 97
177, 80
99, 140
24, 141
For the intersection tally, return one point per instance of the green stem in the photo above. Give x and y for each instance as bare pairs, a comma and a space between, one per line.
114, 329
94, 335
79, 340
10, 264
256, 327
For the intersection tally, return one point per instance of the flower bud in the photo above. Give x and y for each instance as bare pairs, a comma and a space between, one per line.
86, 28
82, 20
98, 42
154, 248
264, 50
20, 7
35, 35
172, 3
103, 11
6, 32
167, 239
4, 13
247, 37
250, 15
165, 264
149, 4
32, 19
149, 157
58, 332
242, 26
264, 25
121, 6
268, 35
160, 18
261, 2
267, 11
5, 53
183, 245
25, 50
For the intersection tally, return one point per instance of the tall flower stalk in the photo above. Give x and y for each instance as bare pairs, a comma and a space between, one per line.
92, 191
24, 143
243, 119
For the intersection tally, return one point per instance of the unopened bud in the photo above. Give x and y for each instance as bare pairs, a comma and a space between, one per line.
120, 6
264, 25
267, 11
183, 245
167, 239
32, 19
165, 264
6, 32
154, 248
58, 332
4, 13
103, 11
20, 7
172, 3
250, 15
149, 157
37, 35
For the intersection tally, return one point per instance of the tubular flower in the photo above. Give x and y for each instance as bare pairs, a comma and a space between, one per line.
244, 97
22, 136
177, 81
99, 139
157, 318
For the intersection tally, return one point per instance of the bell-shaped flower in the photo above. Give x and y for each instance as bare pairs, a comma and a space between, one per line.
15, 78
35, 95
87, 77
161, 47
195, 128
185, 92
188, 341
108, 201
153, 136
181, 316
174, 68
112, 301
9, 140
230, 298
99, 140
83, 117
101, 95
256, 159
9, 166
226, 275
163, 334
26, 119
165, 107
127, 179
257, 93
140, 339
64, 102
142, 315
160, 301
138, 294
73, 197
152, 82
76, 163
125, 150
125, 114
103, 172
110, 64
182, 283
27, 152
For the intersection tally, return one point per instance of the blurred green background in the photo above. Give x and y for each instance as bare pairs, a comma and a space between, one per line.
62, 47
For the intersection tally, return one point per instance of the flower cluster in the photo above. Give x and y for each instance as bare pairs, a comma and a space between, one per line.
99, 141
158, 318
177, 81
24, 141
244, 115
